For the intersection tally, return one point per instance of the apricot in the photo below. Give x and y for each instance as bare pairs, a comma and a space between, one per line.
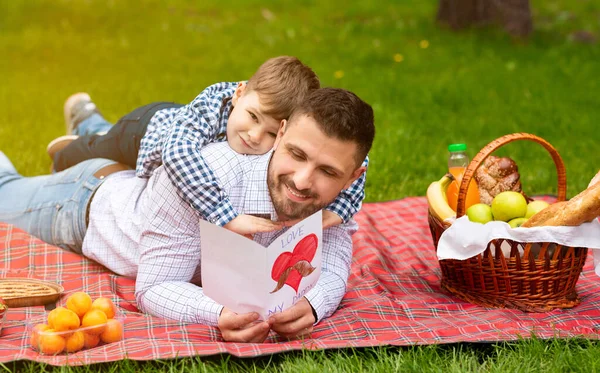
75, 342
64, 320
90, 340
113, 331
95, 320
79, 302
50, 343
35, 334
105, 305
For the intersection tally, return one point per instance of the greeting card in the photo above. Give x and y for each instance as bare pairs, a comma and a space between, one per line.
245, 276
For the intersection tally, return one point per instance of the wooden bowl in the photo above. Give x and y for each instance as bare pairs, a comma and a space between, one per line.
25, 292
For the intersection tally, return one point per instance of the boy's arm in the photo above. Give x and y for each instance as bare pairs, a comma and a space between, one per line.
349, 201
196, 125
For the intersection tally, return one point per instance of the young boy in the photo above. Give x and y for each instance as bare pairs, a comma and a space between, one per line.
248, 115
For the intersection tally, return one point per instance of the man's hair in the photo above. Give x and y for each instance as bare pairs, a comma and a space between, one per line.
282, 83
342, 115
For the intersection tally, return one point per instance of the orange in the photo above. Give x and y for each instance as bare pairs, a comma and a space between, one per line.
90, 340
94, 318
105, 305
51, 343
65, 319
79, 303
452, 191
113, 331
75, 342
35, 334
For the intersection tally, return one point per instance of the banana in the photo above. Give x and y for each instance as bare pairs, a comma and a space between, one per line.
437, 200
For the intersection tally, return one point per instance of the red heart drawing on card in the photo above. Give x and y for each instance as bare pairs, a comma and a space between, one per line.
290, 267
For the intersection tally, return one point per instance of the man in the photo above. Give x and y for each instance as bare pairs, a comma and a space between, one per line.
141, 228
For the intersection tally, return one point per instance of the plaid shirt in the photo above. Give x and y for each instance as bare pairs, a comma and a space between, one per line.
175, 137
140, 228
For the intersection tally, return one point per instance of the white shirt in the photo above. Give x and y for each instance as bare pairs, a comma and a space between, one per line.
142, 229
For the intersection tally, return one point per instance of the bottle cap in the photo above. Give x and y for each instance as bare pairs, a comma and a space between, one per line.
457, 147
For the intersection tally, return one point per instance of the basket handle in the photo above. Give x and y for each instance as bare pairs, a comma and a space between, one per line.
493, 146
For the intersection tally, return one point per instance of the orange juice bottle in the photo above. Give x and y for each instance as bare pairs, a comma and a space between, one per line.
458, 161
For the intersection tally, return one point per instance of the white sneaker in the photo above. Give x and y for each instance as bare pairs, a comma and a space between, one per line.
59, 144
78, 107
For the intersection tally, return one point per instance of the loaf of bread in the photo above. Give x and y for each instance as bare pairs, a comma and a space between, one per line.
595, 179
496, 175
539, 218
582, 208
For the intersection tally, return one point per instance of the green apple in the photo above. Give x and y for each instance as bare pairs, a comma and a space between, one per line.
534, 207
509, 205
480, 213
517, 222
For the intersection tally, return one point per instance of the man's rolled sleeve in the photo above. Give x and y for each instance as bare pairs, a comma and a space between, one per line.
329, 290
317, 302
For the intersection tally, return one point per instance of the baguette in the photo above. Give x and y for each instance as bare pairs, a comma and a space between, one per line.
582, 208
595, 179
547, 213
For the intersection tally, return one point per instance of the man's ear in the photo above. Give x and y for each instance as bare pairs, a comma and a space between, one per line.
355, 175
239, 91
280, 133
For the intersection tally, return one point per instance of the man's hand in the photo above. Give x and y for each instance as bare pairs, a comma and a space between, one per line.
295, 322
330, 219
247, 225
242, 328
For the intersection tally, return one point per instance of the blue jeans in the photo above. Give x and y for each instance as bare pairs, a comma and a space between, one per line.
92, 125
121, 142
51, 207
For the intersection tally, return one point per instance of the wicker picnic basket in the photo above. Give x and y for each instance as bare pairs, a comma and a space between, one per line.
526, 279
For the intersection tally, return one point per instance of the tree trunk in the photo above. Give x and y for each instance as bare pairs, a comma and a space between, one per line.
513, 15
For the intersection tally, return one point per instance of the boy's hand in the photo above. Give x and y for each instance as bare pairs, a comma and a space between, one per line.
295, 322
247, 225
243, 327
330, 219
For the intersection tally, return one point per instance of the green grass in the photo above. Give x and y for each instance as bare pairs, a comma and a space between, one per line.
533, 355
472, 87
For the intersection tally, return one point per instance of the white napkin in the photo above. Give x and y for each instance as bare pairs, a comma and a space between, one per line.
465, 239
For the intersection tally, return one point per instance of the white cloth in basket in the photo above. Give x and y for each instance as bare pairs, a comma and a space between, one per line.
465, 239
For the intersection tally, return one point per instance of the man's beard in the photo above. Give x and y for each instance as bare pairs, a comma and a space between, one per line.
287, 209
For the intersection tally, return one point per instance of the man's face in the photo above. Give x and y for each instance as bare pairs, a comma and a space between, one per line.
249, 131
308, 169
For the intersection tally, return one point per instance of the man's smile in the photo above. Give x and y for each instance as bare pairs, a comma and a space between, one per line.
295, 196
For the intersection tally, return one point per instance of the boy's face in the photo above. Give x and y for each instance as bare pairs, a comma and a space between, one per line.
249, 131
308, 169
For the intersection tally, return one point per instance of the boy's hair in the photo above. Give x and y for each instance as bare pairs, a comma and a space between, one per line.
342, 115
282, 84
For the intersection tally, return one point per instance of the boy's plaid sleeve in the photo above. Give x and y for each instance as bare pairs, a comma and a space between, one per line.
349, 201
194, 126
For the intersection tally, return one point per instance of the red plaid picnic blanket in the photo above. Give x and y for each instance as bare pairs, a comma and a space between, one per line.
394, 298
